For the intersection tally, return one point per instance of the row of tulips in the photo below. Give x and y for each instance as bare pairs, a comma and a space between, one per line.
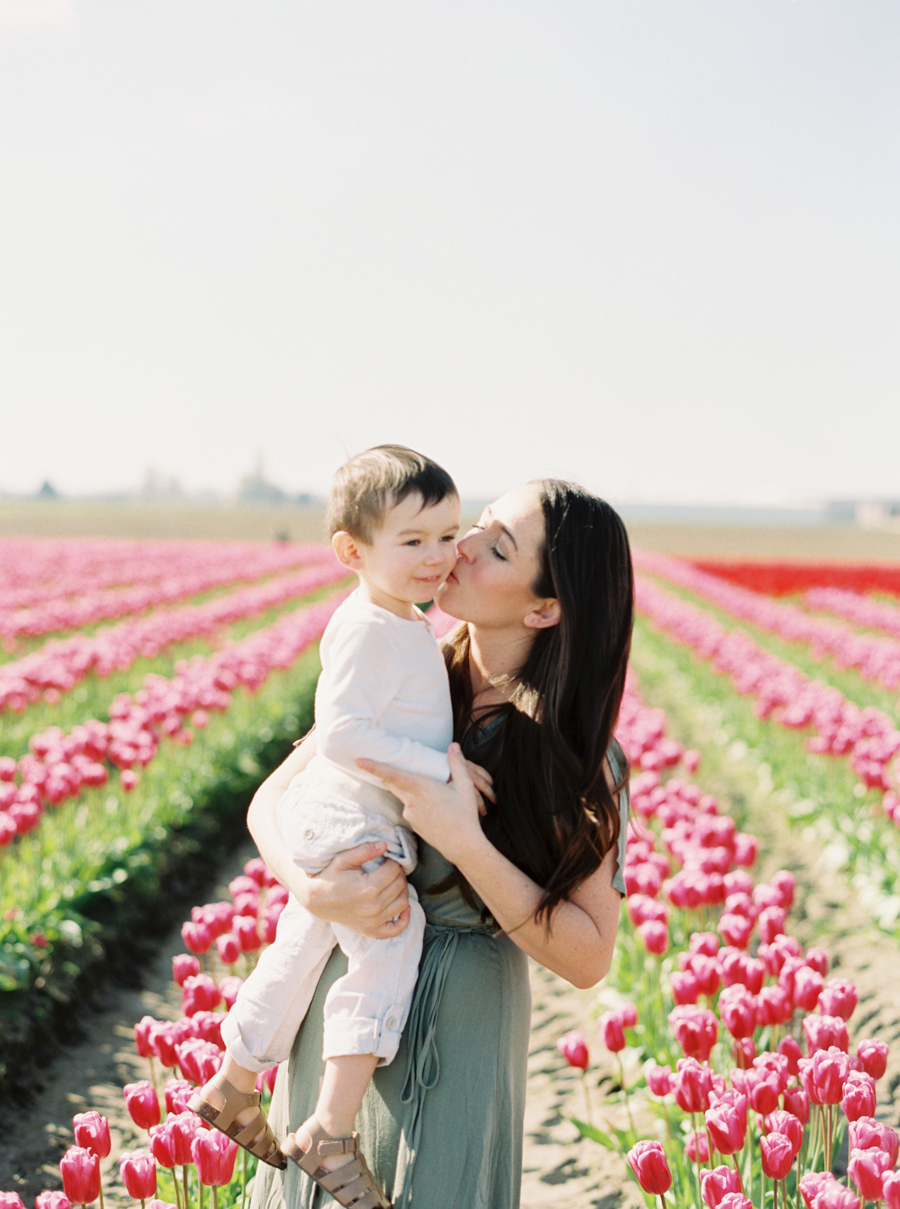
60, 765
874, 657
739, 1101
866, 736
59, 665
182, 1156
73, 583
861, 610
791, 578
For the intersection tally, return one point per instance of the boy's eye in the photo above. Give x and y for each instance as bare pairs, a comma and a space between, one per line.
497, 554
449, 537
413, 541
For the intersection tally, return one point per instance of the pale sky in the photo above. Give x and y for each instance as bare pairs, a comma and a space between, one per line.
651, 245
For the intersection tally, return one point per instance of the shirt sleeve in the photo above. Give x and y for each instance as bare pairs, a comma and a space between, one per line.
363, 676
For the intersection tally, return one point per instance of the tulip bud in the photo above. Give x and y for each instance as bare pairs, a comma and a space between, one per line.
184, 965
177, 1092
142, 1104
648, 1162
11, 1200
92, 1133
873, 1056
80, 1171
573, 1048
777, 1155
890, 1185
214, 1155
612, 1031
658, 1079
138, 1170
858, 1099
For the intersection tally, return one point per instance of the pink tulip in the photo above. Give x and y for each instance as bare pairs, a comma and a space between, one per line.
868, 1134
166, 1039
696, 1030
737, 1007
835, 1195
735, 930
796, 1102
655, 935
873, 1056
143, 1033
11, 1200
817, 959
184, 965
890, 1186
822, 1032
612, 1031
717, 1183
812, 1184
808, 984
177, 1092
859, 1095
823, 1075
170, 1142
92, 1133
229, 988
214, 1155
80, 1171
684, 987
763, 1089
727, 1126
867, 1169
142, 1104
838, 998
790, 1050
46, 1200
658, 1079
787, 1125
229, 948
573, 1048
777, 1155
197, 937
735, 1200
692, 1083
648, 1162
138, 1170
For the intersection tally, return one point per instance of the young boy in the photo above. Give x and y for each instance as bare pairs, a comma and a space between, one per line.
383, 693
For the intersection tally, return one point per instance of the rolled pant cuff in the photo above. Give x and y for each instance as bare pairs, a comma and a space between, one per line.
360, 1037
239, 1052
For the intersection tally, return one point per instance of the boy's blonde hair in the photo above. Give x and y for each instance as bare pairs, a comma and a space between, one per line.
364, 488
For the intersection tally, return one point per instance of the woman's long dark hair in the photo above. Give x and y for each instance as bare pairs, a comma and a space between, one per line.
556, 816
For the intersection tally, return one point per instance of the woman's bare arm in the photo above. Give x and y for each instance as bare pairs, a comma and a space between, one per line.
373, 904
579, 943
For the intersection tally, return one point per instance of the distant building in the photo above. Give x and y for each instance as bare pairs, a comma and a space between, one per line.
867, 514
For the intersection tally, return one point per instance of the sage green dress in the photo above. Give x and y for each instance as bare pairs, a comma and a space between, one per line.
441, 1127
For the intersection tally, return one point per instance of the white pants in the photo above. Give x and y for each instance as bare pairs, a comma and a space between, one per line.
367, 1007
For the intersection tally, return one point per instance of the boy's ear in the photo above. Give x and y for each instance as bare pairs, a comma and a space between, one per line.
545, 615
347, 550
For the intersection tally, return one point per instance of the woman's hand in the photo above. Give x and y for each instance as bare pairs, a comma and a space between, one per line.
444, 814
373, 904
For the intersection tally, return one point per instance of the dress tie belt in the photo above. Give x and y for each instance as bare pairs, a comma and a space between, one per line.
423, 1063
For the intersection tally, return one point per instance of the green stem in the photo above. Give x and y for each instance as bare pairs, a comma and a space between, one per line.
243, 1177
587, 1098
184, 1177
625, 1095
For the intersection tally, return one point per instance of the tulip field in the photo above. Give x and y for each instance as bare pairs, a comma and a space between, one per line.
145, 688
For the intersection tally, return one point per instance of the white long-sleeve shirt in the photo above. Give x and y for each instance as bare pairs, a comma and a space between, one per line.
383, 694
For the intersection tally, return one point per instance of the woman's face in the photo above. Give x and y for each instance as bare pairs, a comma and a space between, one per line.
498, 564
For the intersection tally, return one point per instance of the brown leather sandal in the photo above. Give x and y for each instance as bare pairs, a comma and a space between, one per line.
256, 1137
353, 1184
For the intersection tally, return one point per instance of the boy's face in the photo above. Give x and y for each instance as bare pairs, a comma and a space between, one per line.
411, 554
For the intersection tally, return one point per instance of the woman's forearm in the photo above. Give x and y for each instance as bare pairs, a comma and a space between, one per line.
579, 941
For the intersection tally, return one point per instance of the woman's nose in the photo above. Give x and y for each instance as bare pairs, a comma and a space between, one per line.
465, 548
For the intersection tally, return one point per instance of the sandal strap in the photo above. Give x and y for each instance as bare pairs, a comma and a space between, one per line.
352, 1184
256, 1136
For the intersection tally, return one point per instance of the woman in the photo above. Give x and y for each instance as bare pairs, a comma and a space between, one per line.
544, 585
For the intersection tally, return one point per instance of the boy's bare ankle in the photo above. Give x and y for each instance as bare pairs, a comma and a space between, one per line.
312, 1126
